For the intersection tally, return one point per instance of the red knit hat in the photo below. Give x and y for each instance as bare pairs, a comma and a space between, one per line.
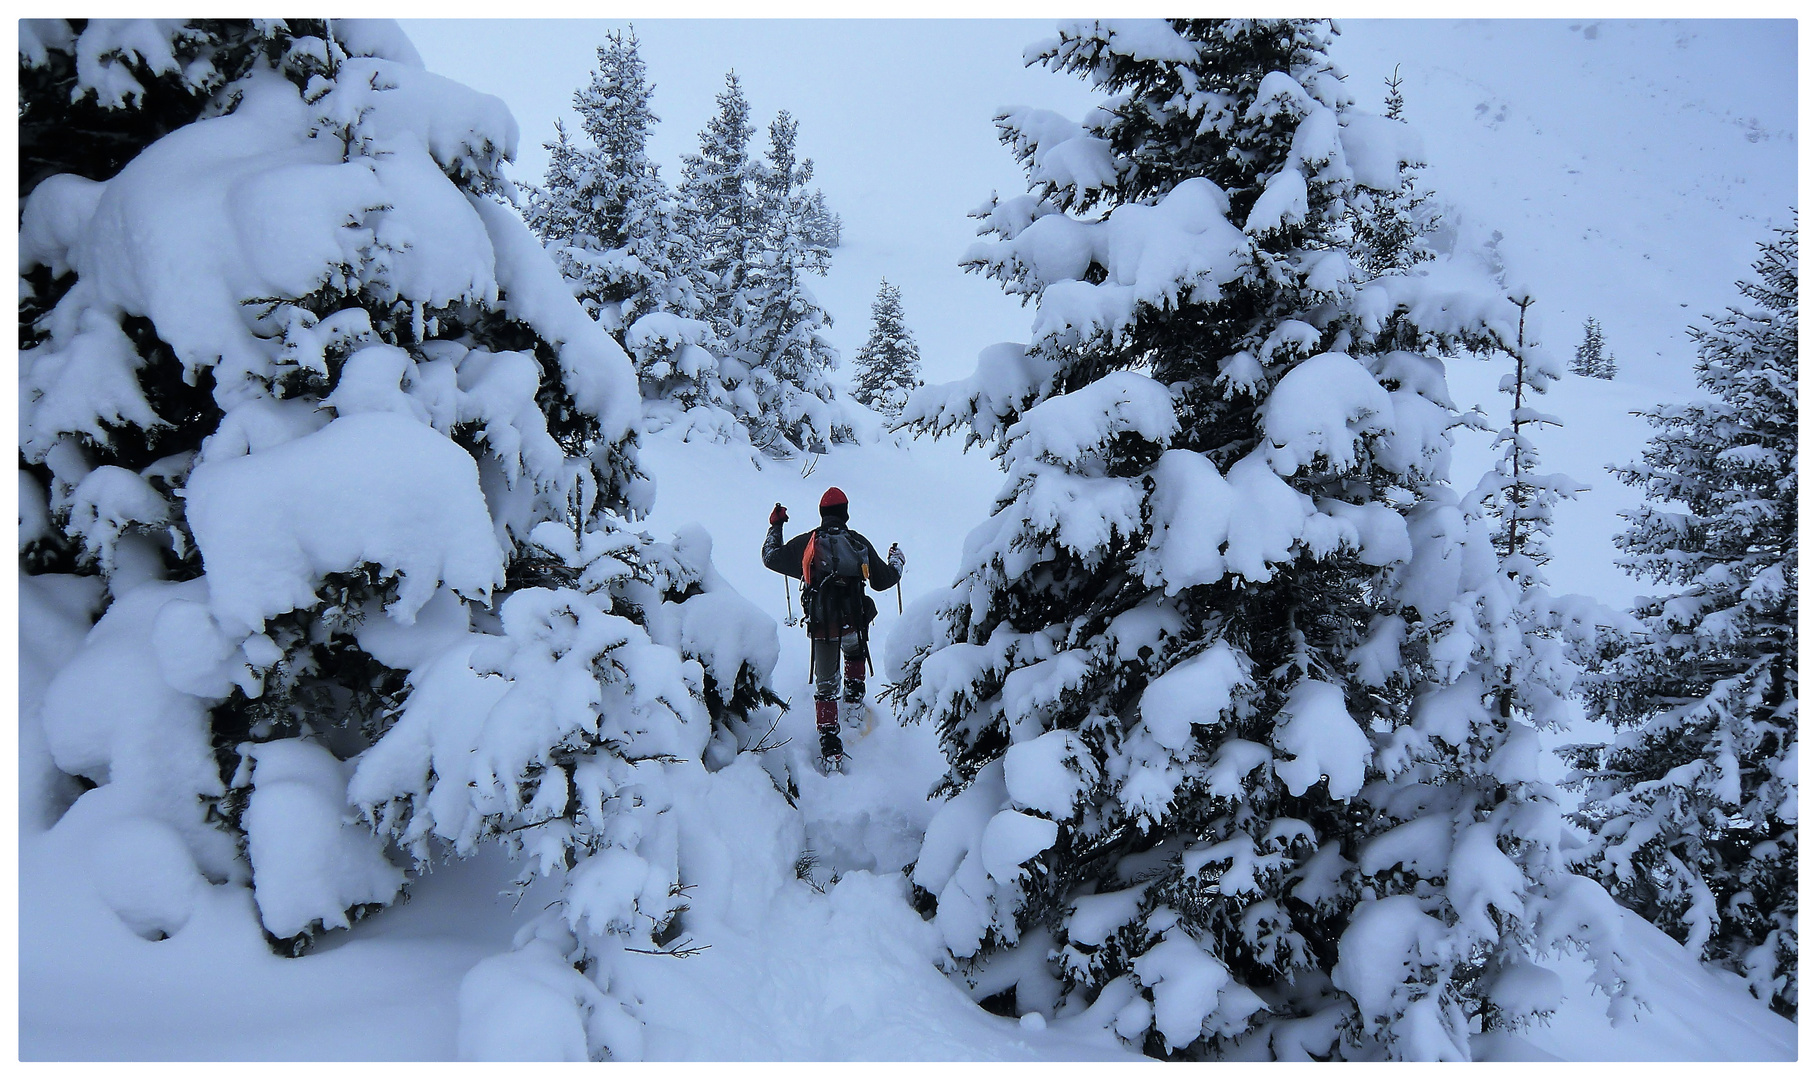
833, 497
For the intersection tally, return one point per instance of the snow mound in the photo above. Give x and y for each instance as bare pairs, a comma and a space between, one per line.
312, 861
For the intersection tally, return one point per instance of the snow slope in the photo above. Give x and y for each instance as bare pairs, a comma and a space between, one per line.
791, 972
1629, 177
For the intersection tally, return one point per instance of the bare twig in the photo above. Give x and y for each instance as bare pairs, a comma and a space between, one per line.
681, 950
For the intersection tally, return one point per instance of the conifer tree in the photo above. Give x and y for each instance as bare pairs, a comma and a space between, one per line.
1592, 358
1391, 226
780, 338
1693, 806
1396, 101
1218, 681
614, 229
889, 362
722, 212
364, 513
823, 227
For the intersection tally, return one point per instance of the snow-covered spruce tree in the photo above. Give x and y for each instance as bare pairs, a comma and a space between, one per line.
1592, 358
1228, 772
1522, 500
614, 229
356, 468
823, 227
780, 337
889, 362
1393, 227
1693, 807
90, 110
721, 208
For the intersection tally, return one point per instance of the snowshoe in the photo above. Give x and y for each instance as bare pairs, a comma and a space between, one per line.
832, 752
859, 716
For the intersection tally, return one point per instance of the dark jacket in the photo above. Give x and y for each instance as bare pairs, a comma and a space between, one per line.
785, 558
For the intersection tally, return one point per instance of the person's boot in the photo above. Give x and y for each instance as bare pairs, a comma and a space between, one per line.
832, 750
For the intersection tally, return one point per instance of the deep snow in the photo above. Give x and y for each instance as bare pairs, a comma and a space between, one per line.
791, 973
1700, 146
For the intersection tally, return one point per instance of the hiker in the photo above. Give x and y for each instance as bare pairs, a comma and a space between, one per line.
833, 563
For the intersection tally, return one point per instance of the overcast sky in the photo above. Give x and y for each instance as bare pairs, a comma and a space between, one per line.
1553, 131
896, 115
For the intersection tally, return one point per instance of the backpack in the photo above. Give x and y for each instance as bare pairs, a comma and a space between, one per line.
833, 572
832, 553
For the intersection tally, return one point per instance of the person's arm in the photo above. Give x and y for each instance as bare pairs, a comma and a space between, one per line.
780, 557
883, 573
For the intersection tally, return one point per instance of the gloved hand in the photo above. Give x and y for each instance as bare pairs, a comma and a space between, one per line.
896, 559
778, 515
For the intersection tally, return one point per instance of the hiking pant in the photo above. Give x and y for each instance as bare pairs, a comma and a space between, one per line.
825, 671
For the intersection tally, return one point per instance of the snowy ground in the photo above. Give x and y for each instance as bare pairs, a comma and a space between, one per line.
792, 973
1640, 214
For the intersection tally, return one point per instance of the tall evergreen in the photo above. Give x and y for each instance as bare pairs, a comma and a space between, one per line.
889, 362
1693, 807
1218, 681
722, 212
604, 212
616, 231
780, 336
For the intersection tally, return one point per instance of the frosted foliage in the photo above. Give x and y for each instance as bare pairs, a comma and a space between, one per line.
1191, 989
1195, 691
103, 57
1320, 410
1065, 428
1009, 378
1227, 503
1155, 256
1062, 153
393, 460
1378, 149
271, 525
1049, 773
1012, 838
1391, 947
1320, 741
1703, 764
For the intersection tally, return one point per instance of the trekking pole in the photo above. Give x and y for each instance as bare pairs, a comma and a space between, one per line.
788, 602
893, 550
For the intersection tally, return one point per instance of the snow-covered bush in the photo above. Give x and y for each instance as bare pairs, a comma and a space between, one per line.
1223, 679
357, 471
1694, 805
